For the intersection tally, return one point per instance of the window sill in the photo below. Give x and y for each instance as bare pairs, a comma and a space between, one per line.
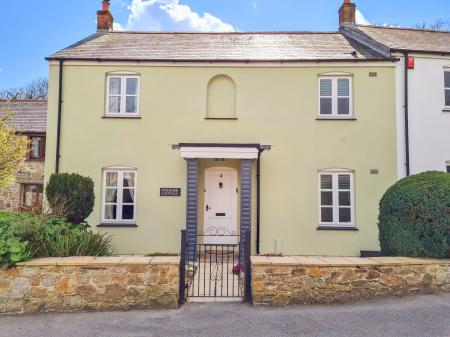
446, 109
336, 119
221, 119
336, 228
41, 160
117, 225
121, 117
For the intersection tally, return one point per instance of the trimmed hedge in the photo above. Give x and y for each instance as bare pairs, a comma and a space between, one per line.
414, 217
71, 196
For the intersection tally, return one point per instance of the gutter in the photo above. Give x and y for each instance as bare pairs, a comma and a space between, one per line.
406, 89
107, 59
58, 130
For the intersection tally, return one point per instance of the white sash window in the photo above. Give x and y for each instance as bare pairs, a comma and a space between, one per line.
447, 88
119, 195
335, 97
122, 96
336, 197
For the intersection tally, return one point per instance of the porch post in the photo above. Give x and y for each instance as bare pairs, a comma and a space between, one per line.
246, 204
191, 207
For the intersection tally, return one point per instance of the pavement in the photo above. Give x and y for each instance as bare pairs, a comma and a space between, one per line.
421, 316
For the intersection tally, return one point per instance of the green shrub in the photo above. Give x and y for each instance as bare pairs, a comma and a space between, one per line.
12, 248
71, 196
414, 217
25, 235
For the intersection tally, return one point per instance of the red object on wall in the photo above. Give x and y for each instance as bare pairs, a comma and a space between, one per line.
411, 62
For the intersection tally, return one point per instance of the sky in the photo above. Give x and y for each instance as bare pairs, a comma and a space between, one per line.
30, 30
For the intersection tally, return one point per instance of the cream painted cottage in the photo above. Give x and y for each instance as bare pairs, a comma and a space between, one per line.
291, 136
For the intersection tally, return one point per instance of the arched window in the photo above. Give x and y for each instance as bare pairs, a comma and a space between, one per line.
221, 101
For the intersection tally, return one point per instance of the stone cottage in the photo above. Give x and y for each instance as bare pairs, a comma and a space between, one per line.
30, 119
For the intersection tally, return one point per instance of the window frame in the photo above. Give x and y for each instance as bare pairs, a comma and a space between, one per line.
334, 96
446, 107
40, 190
335, 203
119, 204
41, 155
123, 95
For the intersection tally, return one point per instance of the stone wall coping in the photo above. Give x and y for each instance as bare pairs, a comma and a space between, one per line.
333, 261
102, 261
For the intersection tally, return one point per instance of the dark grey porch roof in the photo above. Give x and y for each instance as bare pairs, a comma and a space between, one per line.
216, 47
28, 115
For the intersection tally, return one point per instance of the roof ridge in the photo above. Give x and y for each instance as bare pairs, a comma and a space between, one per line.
405, 28
23, 100
225, 33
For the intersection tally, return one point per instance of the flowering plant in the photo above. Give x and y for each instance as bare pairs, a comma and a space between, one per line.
237, 269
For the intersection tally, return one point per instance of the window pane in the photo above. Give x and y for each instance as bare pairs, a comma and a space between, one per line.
131, 104
326, 198
343, 87
132, 84
447, 97
345, 215
111, 179
447, 79
110, 212
326, 86
344, 181
326, 214
448, 169
326, 181
128, 212
111, 195
128, 196
114, 104
115, 85
35, 146
344, 198
128, 179
343, 106
31, 195
326, 106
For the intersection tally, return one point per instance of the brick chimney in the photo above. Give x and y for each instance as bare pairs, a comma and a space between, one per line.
347, 13
105, 19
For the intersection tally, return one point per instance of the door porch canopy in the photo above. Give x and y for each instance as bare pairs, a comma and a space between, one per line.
192, 152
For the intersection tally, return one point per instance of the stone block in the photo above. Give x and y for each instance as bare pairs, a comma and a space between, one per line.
21, 287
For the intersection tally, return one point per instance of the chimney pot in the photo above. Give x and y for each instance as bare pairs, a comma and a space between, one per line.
347, 13
105, 20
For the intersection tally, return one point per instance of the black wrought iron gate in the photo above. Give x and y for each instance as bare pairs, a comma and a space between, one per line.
214, 270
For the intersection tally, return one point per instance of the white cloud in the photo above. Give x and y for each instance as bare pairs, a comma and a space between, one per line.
254, 5
117, 27
361, 19
170, 15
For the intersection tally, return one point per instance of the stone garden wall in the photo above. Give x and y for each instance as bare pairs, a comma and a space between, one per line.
306, 280
87, 283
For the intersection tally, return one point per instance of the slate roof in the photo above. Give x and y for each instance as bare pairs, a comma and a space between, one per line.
210, 47
29, 116
408, 39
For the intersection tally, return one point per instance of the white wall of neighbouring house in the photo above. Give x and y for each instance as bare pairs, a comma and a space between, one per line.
429, 123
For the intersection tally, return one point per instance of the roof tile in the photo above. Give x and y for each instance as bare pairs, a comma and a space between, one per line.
295, 46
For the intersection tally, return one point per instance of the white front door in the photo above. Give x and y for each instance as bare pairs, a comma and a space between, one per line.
220, 224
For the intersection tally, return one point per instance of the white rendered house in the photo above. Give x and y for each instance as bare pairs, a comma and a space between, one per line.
422, 91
